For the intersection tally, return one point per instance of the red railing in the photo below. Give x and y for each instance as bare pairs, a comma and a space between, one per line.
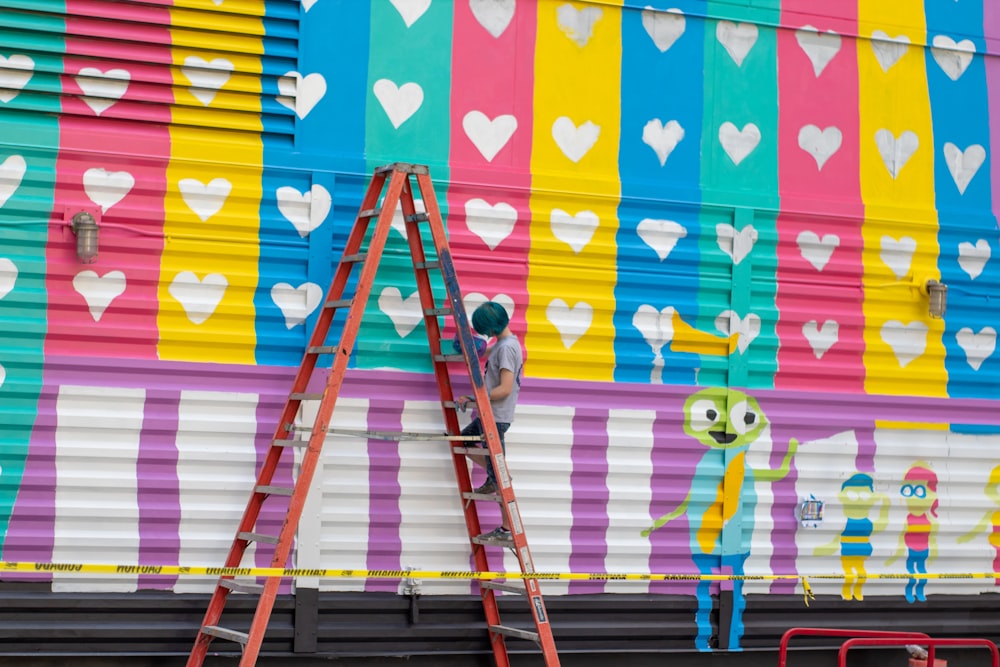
904, 637
930, 643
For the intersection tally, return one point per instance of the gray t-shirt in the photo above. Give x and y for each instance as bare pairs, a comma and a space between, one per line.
506, 354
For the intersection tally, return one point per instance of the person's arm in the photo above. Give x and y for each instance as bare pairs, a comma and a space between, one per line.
502, 390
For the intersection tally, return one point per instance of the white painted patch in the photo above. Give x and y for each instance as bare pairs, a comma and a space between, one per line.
101, 90
198, 296
963, 165
405, 314
296, 303
821, 337
571, 322
399, 102
747, 328
300, 93
578, 24
11, 174
737, 245
896, 152
99, 291
205, 199
411, 10
662, 138
738, 144
576, 231
888, 50
815, 250
489, 136
207, 77
305, 210
8, 276
493, 15
15, 73
897, 254
953, 57
907, 341
475, 299
107, 188
737, 39
663, 27
973, 258
821, 144
978, 346
492, 223
660, 235
819, 47
573, 141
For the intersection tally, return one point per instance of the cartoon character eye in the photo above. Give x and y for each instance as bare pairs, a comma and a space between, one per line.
920, 491
704, 415
858, 495
742, 418
906, 491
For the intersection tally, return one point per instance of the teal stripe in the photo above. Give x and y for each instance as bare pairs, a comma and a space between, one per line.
420, 54
29, 131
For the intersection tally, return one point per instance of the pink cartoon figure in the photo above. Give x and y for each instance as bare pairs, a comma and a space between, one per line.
990, 520
919, 537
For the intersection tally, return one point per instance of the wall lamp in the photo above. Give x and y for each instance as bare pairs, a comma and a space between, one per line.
86, 230
937, 298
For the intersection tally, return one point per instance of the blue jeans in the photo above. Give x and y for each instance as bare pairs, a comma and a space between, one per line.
476, 428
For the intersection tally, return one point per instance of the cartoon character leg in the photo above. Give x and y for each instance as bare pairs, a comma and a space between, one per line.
706, 564
920, 566
853, 565
911, 567
996, 567
734, 564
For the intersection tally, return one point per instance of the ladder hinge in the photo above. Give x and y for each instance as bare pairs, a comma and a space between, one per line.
257, 537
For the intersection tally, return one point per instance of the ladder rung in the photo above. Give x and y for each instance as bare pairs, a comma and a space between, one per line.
257, 537
370, 213
403, 435
244, 586
449, 357
503, 586
428, 265
359, 257
469, 495
404, 167
223, 633
322, 349
290, 443
514, 632
471, 451
418, 217
339, 303
274, 490
445, 310
509, 542
298, 396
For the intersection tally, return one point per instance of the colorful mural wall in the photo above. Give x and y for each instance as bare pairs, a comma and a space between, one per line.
713, 224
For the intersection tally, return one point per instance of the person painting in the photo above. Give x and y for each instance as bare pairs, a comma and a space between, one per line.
504, 362
858, 499
918, 539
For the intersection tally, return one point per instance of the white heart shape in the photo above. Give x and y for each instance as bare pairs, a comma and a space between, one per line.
199, 297
400, 102
574, 141
11, 174
953, 58
737, 39
973, 258
15, 72
308, 4
663, 139
205, 199
978, 347
107, 188
660, 235
578, 24
656, 326
663, 27
819, 47
488, 136
411, 10
207, 77
493, 224
963, 165
571, 323
3, 378
300, 93
815, 250
398, 223
821, 144
102, 89
305, 210
405, 314
898, 255
475, 299
821, 338
99, 291
888, 50
493, 15
296, 303
8, 276
735, 244
738, 143
907, 341
576, 231
746, 328
896, 152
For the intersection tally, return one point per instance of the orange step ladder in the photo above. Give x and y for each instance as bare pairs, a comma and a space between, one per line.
397, 182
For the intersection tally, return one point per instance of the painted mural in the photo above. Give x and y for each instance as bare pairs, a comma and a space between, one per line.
714, 225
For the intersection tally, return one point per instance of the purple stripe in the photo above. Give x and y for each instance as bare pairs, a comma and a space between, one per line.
991, 30
157, 485
31, 534
384, 515
588, 481
272, 514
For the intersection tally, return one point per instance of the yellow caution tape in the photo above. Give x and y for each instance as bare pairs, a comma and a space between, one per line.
192, 570
807, 593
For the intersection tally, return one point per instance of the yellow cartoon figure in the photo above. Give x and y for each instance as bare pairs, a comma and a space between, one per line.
991, 520
858, 498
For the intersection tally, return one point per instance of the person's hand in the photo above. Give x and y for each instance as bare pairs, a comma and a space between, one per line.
464, 402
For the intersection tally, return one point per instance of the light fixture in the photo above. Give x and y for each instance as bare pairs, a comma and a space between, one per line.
86, 230
937, 298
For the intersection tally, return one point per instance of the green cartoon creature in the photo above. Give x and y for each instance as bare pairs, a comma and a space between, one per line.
727, 422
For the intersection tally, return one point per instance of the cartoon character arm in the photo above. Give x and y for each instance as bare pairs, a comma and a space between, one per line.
900, 550
829, 548
667, 518
786, 464
932, 543
980, 527
883, 514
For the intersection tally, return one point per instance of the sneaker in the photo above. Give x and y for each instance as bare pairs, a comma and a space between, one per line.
487, 489
498, 534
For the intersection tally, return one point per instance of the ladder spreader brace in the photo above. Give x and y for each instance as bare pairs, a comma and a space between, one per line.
396, 182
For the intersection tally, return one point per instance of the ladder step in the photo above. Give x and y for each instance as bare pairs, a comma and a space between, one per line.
403, 435
494, 542
359, 257
274, 490
469, 495
370, 213
244, 586
339, 303
290, 443
471, 451
418, 217
257, 537
514, 632
298, 396
446, 310
449, 357
321, 349
428, 265
517, 589
222, 633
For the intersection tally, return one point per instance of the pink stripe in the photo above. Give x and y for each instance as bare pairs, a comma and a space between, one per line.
827, 101
508, 90
131, 230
